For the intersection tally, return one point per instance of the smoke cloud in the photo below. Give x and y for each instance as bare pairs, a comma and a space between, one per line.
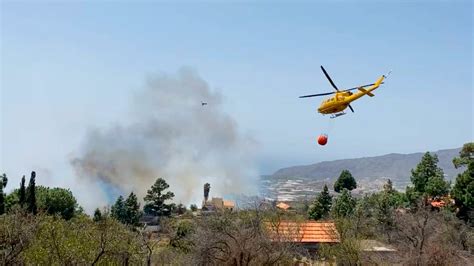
174, 136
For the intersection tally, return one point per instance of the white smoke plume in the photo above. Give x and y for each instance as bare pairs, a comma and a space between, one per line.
175, 137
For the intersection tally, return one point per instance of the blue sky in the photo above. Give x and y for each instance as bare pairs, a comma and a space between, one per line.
70, 67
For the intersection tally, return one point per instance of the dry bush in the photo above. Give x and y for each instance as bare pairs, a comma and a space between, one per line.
238, 239
17, 231
430, 237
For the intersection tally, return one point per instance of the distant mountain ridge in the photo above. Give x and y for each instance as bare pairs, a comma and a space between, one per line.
395, 166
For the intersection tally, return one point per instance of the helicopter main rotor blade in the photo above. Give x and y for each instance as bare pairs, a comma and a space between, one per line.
319, 94
351, 108
329, 78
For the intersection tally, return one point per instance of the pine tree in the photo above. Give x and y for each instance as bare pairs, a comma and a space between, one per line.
463, 193
2, 198
180, 209
118, 210
388, 187
437, 187
4, 180
384, 210
97, 215
315, 211
345, 180
321, 206
22, 192
31, 194
132, 210
344, 205
427, 169
326, 200
466, 155
3, 184
155, 200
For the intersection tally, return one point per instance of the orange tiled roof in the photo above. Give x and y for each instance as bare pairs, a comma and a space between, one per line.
438, 204
304, 232
283, 206
228, 204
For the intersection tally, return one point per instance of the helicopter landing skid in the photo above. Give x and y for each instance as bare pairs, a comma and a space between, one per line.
337, 115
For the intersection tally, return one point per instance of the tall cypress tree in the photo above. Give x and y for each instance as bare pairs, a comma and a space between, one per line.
31, 195
22, 192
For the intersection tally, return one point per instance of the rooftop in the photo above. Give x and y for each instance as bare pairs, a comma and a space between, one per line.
283, 206
229, 204
304, 232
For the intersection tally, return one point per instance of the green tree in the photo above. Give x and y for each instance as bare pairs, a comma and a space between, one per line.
396, 198
412, 196
97, 215
56, 201
384, 209
344, 205
466, 155
193, 207
207, 188
3, 184
437, 187
11, 200
82, 241
155, 200
388, 187
180, 209
345, 180
181, 239
321, 206
4, 180
22, 192
132, 210
31, 194
426, 170
315, 210
118, 210
2, 198
49, 200
463, 193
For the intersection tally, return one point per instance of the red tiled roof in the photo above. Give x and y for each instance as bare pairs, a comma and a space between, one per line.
304, 232
438, 204
228, 203
283, 206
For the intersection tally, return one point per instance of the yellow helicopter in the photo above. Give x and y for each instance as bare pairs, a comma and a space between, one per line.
336, 104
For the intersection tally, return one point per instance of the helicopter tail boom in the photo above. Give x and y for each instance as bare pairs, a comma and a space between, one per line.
366, 92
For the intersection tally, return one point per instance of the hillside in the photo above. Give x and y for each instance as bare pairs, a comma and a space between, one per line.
370, 172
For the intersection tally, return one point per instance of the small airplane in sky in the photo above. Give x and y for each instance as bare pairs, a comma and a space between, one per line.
342, 99
203, 103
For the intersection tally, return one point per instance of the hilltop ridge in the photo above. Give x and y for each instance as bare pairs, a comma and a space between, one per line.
294, 182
